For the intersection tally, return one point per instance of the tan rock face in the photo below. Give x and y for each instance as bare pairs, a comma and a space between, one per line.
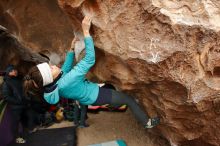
164, 52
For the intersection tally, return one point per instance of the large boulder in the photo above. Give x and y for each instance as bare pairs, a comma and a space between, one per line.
14, 53
165, 53
40, 26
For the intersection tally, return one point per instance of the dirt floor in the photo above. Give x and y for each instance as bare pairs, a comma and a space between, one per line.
108, 126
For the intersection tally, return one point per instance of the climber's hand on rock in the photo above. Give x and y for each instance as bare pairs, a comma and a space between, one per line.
72, 47
86, 23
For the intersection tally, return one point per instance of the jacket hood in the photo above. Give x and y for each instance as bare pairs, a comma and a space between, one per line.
53, 96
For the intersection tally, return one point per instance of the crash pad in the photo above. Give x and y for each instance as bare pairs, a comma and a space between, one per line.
118, 142
52, 137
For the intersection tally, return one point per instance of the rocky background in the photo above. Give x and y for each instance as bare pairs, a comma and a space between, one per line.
163, 52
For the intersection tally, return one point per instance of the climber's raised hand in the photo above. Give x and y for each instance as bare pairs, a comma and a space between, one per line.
86, 23
75, 39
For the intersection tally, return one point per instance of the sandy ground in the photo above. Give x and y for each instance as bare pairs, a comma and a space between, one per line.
108, 126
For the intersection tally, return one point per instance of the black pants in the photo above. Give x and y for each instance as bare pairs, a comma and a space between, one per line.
17, 115
116, 98
80, 114
23, 117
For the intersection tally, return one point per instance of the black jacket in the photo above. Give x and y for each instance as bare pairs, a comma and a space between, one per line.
12, 91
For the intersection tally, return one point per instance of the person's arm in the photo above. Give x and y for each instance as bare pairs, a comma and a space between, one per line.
8, 95
89, 59
68, 64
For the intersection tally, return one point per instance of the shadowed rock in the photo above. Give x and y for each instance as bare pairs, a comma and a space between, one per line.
13, 52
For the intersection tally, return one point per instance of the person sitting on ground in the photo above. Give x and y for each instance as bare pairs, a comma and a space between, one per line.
71, 83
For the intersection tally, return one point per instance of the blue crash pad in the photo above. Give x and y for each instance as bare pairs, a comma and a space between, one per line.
111, 143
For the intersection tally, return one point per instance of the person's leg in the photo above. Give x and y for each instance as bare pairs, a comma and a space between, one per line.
17, 130
119, 98
115, 98
16, 117
76, 114
83, 114
23, 122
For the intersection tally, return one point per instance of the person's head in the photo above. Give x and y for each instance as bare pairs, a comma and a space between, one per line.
39, 76
11, 71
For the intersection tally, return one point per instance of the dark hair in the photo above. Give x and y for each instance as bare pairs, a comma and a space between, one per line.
32, 79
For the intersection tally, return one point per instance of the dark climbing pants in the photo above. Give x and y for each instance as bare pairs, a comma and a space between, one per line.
116, 98
80, 114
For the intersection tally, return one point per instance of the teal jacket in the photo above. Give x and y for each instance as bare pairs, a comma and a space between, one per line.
73, 84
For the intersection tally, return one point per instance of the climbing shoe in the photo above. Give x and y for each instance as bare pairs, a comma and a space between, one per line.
83, 125
152, 122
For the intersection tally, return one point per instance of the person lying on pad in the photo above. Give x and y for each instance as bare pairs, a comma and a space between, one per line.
70, 82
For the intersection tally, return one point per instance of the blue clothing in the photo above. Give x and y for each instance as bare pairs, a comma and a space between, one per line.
73, 84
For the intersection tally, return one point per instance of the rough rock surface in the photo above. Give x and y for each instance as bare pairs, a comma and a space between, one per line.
13, 52
164, 52
39, 25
